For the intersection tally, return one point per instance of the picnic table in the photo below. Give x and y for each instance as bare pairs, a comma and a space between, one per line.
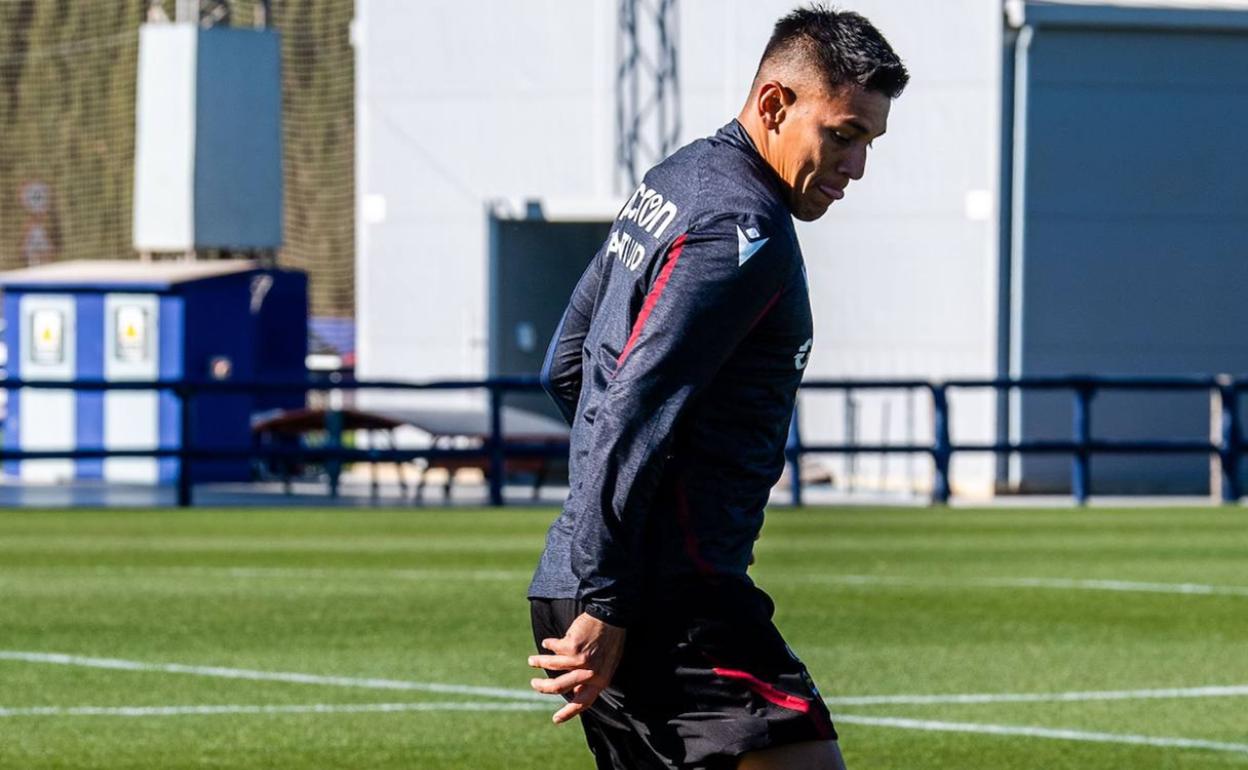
450, 428
293, 427
460, 427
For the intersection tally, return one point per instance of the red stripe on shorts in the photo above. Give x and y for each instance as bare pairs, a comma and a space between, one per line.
768, 691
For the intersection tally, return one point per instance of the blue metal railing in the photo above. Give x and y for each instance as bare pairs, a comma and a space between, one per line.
494, 449
1228, 447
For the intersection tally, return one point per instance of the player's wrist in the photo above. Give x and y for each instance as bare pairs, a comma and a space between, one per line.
612, 616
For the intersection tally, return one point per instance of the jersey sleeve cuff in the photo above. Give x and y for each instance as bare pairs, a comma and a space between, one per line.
607, 614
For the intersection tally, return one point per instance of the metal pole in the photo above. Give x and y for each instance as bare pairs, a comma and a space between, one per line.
793, 452
497, 459
851, 439
1013, 473
333, 466
942, 450
185, 499
625, 95
910, 440
186, 11
886, 436
1229, 446
1081, 465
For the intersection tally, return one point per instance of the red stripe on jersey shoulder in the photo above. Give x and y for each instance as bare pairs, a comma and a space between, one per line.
652, 299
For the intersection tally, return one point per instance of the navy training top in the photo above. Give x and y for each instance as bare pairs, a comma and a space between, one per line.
677, 364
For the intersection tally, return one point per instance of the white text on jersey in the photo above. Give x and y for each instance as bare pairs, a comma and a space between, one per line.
803, 354
628, 251
648, 209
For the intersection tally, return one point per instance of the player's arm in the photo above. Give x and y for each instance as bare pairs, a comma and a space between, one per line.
714, 285
561, 370
700, 305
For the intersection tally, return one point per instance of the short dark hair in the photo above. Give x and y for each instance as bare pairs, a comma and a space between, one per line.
841, 45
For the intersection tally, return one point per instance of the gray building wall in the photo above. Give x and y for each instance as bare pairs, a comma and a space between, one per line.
1130, 250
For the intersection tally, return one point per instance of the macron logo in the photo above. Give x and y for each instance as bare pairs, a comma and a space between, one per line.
748, 244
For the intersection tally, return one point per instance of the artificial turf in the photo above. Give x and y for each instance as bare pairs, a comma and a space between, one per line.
878, 602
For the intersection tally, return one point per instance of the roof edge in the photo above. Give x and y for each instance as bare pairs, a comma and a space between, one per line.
1053, 13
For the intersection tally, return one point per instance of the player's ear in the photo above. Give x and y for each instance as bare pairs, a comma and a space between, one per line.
772, 104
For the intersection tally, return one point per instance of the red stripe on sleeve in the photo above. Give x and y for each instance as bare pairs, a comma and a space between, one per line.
652, 299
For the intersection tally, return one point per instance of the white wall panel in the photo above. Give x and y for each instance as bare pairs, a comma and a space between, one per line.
903, 281
131, 418
164, 163
462, 103
46, 417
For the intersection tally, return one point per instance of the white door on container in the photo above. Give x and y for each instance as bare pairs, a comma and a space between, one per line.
131, 353
46, 416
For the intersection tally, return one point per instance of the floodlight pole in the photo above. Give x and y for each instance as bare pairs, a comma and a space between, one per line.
647, 87
209, 13
263, 14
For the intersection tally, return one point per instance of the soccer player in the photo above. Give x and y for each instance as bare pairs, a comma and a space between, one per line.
677, 363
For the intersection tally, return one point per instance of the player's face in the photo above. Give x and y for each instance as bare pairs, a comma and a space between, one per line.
825, 141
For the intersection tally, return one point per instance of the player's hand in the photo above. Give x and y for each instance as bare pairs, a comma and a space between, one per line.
589, 652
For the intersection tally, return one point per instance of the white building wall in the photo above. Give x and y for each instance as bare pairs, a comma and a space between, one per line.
461, 103
903, 270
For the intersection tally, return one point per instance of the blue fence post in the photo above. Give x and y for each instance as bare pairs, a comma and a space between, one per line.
183, 393
497, 459
942, 450
1229, 445
851, 439
793, 453
333, 435
1081, 465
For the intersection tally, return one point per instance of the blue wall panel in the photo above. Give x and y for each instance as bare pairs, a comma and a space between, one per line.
219, 323
238, 139
12, 330
281, 334
171, 359
89, 405
262, 333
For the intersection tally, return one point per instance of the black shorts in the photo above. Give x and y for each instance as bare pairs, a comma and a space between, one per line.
704, 679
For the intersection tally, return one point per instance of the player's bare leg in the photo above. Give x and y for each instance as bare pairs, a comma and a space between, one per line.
813, 755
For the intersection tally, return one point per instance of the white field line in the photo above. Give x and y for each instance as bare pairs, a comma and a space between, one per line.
1213, 691
374, 708
1041, 732
283, 572
315, 708
1061, 584
523, 700
1070, 584
1234, 691
273, 676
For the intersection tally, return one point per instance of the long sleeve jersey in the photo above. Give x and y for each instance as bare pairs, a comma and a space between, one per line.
677, 364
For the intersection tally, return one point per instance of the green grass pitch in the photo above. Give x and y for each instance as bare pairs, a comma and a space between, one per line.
321, 639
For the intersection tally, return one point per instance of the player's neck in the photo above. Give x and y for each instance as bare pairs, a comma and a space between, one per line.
761, 139
763, 144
